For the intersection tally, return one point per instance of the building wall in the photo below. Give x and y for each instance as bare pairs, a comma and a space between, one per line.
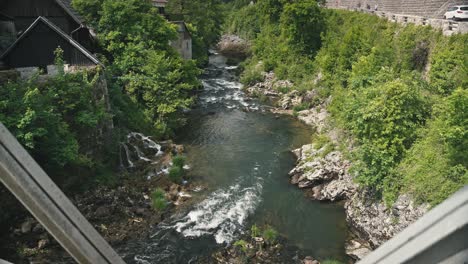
183, 44
424, 8
25, 12
7, 34
28, 54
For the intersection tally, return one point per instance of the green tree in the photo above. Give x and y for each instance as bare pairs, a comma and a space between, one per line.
301, 24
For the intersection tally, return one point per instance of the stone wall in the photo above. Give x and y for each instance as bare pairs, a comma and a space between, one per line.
404, 12
424, 8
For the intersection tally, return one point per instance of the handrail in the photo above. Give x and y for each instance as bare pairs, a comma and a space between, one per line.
440, 236
49, 205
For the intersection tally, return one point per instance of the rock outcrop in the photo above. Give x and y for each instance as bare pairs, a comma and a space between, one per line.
233, 46
377, 223
324, 175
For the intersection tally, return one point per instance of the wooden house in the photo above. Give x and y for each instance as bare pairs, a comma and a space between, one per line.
41, 26
7, 32
37, 44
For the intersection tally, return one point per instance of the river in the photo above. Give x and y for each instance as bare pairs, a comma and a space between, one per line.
241, 153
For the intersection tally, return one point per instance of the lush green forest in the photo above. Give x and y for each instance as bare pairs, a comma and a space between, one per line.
401, 91
60, 121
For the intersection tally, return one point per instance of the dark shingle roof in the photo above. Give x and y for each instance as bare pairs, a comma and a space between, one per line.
73, 42
67, 6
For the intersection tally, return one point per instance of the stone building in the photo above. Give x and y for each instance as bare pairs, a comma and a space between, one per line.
183, 43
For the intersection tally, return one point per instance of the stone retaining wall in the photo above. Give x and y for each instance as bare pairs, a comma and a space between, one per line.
391, 12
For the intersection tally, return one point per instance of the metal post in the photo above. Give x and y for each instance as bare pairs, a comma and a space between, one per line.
49, 205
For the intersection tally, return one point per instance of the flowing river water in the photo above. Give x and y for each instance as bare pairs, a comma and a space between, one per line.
241, 153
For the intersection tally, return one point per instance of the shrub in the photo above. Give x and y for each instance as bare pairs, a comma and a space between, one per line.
178, 161
159, 199
242, 244
251, 77
254, 231
301, 107
270, 235
176, 174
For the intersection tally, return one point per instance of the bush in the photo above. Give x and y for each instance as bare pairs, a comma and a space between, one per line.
158, 197
270, 235
178, 161
251, 76
176, 174
242, 244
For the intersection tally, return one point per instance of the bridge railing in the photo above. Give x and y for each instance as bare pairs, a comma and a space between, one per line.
440, 236
49, 205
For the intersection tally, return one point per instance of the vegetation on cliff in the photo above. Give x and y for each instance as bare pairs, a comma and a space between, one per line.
400, 90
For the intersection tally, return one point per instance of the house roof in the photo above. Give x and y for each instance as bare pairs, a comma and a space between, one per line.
67, 6
51, 25
4, 17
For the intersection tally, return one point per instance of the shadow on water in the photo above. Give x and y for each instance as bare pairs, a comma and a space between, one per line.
241, 152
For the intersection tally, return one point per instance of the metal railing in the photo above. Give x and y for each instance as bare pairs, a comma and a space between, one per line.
440, 236
49, 205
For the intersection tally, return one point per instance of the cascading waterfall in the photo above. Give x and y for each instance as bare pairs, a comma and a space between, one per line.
127, 154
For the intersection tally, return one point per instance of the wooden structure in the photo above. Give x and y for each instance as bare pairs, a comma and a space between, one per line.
47, 203
60, 25
36, 46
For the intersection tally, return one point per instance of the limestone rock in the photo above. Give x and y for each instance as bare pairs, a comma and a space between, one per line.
357, 250
27, 225
372, 219
326, 177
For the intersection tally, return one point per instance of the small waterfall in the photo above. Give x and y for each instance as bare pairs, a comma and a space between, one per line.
140, 154
127, 153
147, 141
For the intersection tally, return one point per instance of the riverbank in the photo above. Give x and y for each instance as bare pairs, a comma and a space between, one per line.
121, 211
322, 169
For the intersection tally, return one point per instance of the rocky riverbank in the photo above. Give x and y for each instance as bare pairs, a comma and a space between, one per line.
322, 171
119, 212
261, 248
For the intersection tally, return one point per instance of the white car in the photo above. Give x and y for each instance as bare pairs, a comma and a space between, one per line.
457, 12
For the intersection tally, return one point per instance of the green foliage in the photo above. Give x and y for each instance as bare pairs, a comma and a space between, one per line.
205, 16
158, 197
57, 121
302, 24
331, 261
176, 174
270, 235
254, 231
436, 165
242, 244
179, 161
383, 78
153, 83
449, 64
301, 107
252, 75
384, 119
